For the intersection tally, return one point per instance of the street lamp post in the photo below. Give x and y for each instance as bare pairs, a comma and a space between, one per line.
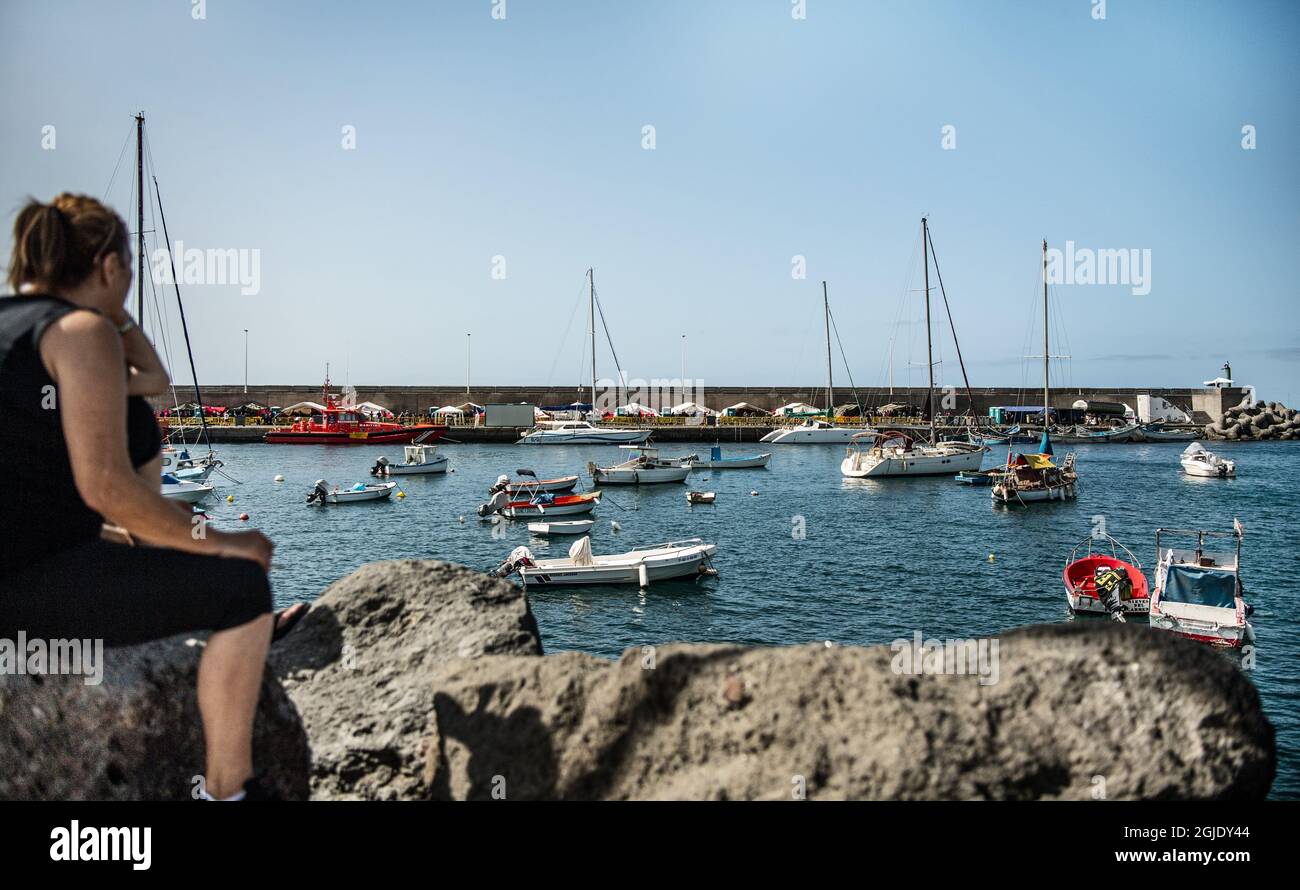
245, 361
467, 342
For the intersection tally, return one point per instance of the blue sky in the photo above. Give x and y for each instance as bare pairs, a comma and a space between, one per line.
775, 137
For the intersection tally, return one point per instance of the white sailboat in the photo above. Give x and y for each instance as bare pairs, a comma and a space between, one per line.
873, 455
814, 431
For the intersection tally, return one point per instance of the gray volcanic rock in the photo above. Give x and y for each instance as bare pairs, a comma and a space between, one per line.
359, 667
1079, 711
136, 735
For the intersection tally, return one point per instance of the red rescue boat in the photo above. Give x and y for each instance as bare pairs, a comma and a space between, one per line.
341, 425
1101, 583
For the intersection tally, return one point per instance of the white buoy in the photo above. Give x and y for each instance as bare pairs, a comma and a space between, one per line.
462, 520
279, 477
613, 524
754, 493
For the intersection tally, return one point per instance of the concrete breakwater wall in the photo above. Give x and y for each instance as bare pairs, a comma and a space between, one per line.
1206, 405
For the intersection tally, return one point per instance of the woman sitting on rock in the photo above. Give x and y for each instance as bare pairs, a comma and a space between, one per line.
91, 549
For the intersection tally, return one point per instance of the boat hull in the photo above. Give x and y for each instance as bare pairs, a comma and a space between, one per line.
403, 436
371, 493
577, 527
433, 466
823, 436
187, 492
1005, 495
869, 467
684, 563
563, 483
650, 476
1081, 591
734, 463
1209, 471
600, 437
573, 505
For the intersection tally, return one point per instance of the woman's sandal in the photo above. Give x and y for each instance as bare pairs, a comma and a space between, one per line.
287, 620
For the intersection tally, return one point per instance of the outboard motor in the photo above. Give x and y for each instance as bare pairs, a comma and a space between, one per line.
380, 468
501, 484
495, 504
319, 492
1109, 583
520, 557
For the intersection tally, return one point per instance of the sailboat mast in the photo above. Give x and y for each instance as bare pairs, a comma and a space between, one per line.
929, 344
139, 219
830, 377
1046, 403
591, 277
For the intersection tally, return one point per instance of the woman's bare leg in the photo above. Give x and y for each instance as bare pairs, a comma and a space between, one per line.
230, 678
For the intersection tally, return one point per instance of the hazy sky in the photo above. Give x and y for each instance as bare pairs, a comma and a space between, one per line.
774, 138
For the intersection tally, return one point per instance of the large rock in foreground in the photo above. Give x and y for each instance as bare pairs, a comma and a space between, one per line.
135, 735
359, 667
1080, 711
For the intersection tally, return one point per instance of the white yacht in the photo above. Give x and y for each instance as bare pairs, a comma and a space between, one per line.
897, 454
580, 432
814, 432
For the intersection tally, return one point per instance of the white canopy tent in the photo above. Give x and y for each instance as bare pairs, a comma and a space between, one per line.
302, 409
691, 409
744, 409
798, 408
449, 411
372, 408
635, 409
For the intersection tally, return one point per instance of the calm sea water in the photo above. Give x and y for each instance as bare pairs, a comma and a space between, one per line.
876, 560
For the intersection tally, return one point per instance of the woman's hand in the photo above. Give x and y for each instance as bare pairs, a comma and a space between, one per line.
250, 544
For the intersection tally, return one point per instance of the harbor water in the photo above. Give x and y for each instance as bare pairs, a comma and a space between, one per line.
804, 555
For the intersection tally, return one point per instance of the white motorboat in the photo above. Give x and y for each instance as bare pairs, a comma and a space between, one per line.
188, 492
716, 461
897, 454
418, 460
814, 432
1198, 595
642, 566
581, 432
1198, 461
524, 486
644, 469
572, 527
362, 491
182, 466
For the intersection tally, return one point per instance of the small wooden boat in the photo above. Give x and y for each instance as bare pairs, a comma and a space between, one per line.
1031, 478
660, 562
984, 478
1085, 436
1198, 461
572, 527
418, 460
701, 497
1155, 432
184, 491
362, 491
1198, 595
1105, 584
716, 461
644, 469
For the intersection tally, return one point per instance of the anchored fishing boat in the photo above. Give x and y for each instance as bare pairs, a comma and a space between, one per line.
898, 454
642, 566
1158, 432
1198, 595
1032, 478
362, 491
701, 497
1100, 583
530, 484
716, 461
418, 460
187, 492
337, 424
1199, 461
644, 469
1085, 436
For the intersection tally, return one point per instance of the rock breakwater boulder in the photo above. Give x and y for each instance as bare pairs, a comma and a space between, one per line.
134, 736
359, 667
1263, 420
1077, 712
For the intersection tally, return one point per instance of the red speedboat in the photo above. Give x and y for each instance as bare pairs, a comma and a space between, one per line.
339, 425
1101, 583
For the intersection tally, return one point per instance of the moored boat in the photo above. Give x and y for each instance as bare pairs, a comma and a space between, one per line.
1099, 583
541, 504
813, 432
338, 424
361, 491
418, 460
644, 469
1158, 432
1197, 460
642, 566
187, 492
898, 454
1034, 478
525, 486
571, 527
581, 432
1198, 595
1085, 435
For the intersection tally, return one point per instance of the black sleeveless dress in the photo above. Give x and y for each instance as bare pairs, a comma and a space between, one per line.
43, 513
58, 578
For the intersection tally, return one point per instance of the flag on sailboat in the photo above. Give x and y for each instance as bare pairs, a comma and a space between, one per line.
1045, 444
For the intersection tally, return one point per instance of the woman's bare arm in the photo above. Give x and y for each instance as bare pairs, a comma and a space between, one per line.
147, 376
77, 349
